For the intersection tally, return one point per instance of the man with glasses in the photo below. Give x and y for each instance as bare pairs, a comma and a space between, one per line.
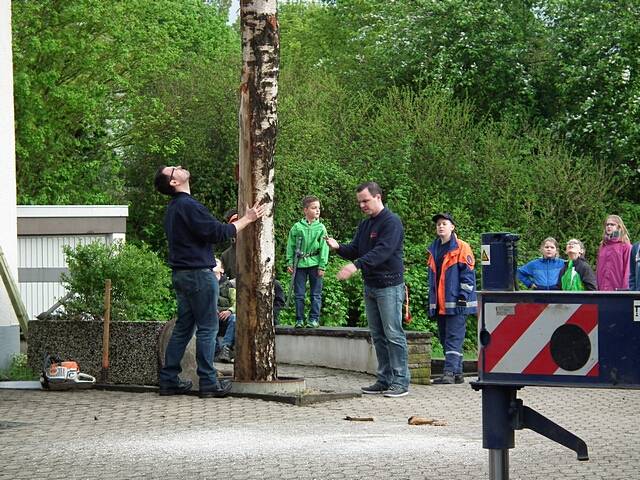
192, 233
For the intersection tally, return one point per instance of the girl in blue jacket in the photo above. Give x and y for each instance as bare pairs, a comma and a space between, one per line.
542, 273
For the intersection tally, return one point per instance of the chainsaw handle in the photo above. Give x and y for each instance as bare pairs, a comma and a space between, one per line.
84, 378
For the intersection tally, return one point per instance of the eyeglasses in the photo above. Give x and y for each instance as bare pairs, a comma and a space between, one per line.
171, 176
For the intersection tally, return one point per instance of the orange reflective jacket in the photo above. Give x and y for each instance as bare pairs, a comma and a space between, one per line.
456, 288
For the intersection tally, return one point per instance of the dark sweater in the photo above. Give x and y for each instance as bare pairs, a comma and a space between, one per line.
191, 232
376, 249
584, 270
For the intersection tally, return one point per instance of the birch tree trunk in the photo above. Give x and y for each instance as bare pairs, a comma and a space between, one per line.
255, 333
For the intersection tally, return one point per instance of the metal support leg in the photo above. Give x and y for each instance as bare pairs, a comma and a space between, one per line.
502, 414
526, 417
499, 464
497, 430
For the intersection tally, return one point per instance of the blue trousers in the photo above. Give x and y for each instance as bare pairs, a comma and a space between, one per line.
384, 316
451, 332
315, 290
197, 295
229, 337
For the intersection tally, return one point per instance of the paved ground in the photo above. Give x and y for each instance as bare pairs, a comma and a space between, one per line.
116, 435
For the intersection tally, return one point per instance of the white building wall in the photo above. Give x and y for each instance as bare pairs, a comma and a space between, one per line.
9, 328
44, 255
44, 231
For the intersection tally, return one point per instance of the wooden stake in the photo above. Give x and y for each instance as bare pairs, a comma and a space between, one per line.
105, 331
14, 293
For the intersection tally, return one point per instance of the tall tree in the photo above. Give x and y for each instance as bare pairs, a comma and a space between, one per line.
255, 342
594, 70
91, 85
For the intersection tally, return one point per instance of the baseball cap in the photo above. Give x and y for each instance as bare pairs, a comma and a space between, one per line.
446, 216
229, 214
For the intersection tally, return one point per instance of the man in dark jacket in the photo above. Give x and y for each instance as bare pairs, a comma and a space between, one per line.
191, 233
376, 249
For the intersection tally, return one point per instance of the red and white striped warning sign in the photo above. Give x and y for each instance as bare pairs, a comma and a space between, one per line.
521, 337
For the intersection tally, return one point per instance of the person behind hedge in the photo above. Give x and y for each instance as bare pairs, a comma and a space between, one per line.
192, 233
542, 273
614, 256
452, 293
308, 255
279, 300
228, 257
576, 275
376, 249
226, 316
228, 261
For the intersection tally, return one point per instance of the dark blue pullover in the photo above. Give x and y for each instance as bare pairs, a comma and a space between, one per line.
192, 232
376, 249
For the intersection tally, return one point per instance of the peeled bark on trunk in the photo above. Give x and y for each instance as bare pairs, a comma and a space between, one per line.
255, 334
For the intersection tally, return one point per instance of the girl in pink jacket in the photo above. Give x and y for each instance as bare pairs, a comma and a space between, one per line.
612, 270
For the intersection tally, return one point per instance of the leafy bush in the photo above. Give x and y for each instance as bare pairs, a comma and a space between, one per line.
429, 153
140, 282
18, 370
335, 301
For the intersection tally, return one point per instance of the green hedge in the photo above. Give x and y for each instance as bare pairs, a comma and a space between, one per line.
140, 282
429, 154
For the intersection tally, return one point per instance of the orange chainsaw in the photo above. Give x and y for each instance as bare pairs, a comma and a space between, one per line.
58, 374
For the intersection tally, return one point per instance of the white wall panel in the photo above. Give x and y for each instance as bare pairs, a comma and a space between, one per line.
45, 252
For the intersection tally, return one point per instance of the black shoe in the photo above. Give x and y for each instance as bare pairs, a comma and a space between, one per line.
458, 378
225, 355
182, 388
446, 379
221, 389
375, 388
396, 391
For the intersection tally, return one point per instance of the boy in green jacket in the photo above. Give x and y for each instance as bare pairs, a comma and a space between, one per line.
307, 257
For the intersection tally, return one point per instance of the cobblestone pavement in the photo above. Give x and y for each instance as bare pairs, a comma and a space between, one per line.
116, 435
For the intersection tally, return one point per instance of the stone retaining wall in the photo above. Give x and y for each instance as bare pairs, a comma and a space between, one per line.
133, 350
348, 348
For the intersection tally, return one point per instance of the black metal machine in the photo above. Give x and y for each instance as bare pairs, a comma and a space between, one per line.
545, 338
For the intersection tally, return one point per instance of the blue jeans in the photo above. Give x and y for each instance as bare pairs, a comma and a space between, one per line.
384, 315
197, 295
315, 287
229, 336
451, 331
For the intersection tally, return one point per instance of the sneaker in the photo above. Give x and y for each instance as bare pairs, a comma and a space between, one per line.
299, 324
375, 388
313, 324
181, 388
396, 391
225, 354
446, 379
221, 389
458, 378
